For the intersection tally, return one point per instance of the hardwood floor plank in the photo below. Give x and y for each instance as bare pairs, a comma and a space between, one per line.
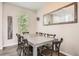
11, 51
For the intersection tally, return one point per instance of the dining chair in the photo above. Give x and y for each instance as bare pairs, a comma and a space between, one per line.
26, 47
49, 45
19, 39
44, 34
36, 32
20, 44
23, 46
56, 45
41, 34
50, 36
25, 33
30, 47
55, 48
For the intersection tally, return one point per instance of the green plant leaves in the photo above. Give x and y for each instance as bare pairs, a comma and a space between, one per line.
23, 23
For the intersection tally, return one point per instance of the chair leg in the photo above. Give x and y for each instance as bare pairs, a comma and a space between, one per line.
19, 51
52, 49
58, 53
23, 52
51, 52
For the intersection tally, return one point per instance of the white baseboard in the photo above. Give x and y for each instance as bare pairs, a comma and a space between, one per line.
65, 53
10, 45
1, 48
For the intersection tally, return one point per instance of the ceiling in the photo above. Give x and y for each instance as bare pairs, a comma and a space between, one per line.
30, 5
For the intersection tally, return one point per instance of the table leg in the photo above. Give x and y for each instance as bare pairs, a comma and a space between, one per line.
34, 51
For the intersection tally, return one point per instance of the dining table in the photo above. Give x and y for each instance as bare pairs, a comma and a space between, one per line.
36, 41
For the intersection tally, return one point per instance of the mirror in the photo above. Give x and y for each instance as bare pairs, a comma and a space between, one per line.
64, 15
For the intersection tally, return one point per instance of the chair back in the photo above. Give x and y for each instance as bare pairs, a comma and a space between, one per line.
37, 33
41, 34
51, 35
18, 36
25, 33
44, 34
19, 39
61, 40
56, 44
25, 41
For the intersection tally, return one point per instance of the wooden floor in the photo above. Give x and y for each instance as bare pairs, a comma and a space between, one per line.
11, 51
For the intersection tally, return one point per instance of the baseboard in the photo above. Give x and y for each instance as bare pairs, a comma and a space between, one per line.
10, 45
65, 53
1, 49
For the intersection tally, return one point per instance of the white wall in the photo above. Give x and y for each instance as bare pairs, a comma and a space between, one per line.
70, 32
0, 25
12, 10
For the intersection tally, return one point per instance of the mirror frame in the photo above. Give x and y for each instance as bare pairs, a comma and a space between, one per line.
75, 14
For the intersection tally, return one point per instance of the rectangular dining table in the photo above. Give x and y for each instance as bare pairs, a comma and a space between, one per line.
37, 41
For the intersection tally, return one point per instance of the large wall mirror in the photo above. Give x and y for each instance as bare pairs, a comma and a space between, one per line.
63, 15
